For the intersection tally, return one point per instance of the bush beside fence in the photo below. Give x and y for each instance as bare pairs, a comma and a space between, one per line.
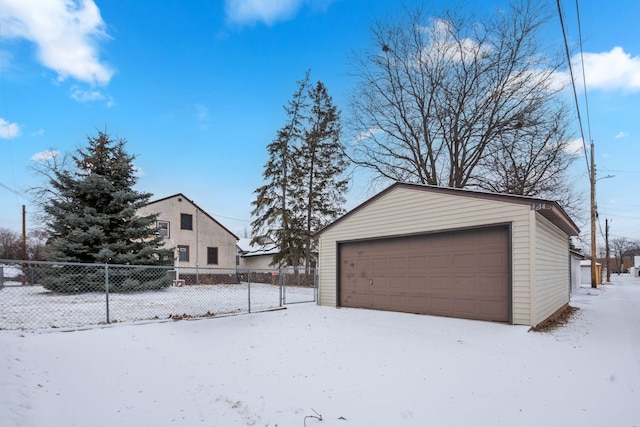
35, 295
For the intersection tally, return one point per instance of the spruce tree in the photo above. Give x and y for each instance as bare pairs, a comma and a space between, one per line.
271, 206
304, 186
92, 215
319, 172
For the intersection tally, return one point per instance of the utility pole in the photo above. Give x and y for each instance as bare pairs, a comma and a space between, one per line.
24, 233
592, 179
606, 238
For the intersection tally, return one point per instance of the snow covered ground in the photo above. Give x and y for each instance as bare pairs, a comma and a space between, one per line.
352, 367
34, 307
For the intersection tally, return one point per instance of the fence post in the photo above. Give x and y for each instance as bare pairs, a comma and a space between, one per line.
106, 288
249, 288
280, 275
1, 276
315, 286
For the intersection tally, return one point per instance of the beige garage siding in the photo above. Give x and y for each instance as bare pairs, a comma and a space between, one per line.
405, 211
552, 270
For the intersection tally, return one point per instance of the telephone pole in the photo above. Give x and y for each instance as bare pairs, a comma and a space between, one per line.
606, 238
594, 213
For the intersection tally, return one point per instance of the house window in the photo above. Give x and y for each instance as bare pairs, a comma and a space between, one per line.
183, 253
212, 255
186, 222
162, 227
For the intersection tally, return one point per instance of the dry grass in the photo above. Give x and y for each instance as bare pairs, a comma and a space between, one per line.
558, 321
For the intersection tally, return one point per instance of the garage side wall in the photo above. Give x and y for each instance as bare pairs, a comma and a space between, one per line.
552, 270
405, 211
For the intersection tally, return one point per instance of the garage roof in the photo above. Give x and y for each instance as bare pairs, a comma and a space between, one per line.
549, 209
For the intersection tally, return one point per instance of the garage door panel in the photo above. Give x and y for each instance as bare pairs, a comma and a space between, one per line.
465, 307
461, 274
417, 283
439, 283
441, 304
418, 303
465, 284
491, 260
440, 262
489, 308
493, 286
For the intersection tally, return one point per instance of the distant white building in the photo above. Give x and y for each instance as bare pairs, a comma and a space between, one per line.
635, 270
585, 272
255, 257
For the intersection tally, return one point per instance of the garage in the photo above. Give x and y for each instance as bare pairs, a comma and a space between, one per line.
449, 252
458, 274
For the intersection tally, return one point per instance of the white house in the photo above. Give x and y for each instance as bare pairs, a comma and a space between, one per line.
255, 257
199, 239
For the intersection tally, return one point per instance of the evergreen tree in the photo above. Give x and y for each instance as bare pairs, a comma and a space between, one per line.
320, 163
92, 217
303, 188
271, 207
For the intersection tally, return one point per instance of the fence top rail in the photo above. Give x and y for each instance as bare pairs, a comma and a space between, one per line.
186, 269
80, 264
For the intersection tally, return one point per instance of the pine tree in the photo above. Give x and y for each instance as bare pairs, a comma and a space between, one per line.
271, 207
92, 217
319, 172
304, 188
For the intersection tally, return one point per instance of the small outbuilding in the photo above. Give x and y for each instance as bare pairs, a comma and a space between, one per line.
449, 252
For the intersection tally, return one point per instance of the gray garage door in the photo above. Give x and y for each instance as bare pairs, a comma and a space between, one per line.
458, 274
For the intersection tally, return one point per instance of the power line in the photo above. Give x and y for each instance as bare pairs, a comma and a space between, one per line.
18, 194
573, 85
6, 113
584, 78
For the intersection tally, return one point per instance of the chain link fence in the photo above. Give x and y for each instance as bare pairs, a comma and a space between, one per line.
39, 295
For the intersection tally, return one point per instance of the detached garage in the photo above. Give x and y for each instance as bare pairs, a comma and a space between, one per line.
449, 252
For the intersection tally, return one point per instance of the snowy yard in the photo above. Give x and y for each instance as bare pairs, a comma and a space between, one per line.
353, 367
34, 307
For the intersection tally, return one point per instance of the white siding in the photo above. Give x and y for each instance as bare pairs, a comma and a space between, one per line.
406, 211
205, 233
258, 262
551, 270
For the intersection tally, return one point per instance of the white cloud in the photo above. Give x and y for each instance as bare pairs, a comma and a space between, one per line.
621, 135
8, 130
45, 155
268, 11
370, 133
66, 34
82, 95
39, 132
611, 70
575, 146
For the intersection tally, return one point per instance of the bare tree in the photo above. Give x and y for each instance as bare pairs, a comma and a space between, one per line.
439, 100
623, 247
10, 244
532, 161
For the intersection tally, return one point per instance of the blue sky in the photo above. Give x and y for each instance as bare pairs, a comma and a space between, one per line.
197, 89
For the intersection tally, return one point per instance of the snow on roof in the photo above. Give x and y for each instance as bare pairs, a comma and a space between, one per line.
248, 249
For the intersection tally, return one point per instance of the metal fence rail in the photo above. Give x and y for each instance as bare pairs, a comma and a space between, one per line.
38, 295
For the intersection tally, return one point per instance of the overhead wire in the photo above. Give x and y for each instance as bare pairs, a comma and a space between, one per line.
573, 84
6, 115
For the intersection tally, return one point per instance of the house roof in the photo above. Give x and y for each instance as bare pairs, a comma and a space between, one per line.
249, 250
549, 209
197, 207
